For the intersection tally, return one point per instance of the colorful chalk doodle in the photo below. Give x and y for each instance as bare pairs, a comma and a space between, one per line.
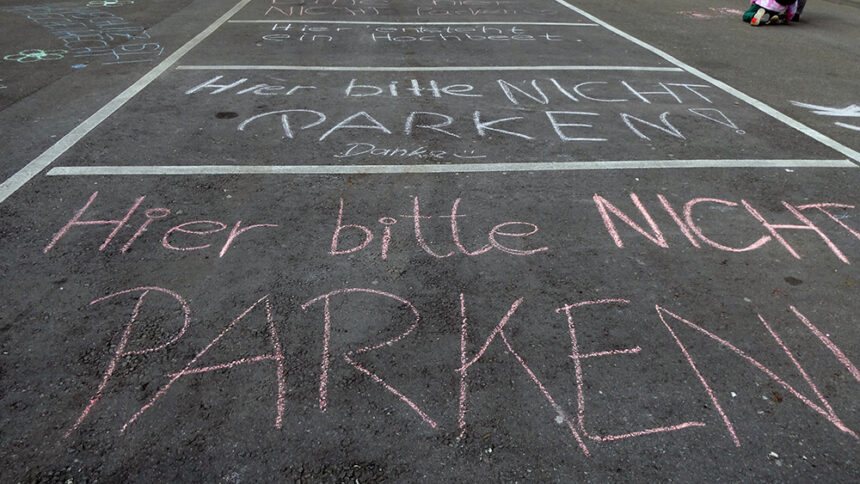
36, 55
92, 33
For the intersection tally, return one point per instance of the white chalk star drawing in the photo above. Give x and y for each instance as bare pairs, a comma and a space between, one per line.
851, 111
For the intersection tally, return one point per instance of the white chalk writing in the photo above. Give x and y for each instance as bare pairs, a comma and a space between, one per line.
89, 32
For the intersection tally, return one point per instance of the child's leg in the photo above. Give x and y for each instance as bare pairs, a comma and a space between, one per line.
750, 13
800, 5
758, 17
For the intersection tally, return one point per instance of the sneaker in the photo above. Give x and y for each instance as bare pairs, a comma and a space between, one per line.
776, 19
756, 20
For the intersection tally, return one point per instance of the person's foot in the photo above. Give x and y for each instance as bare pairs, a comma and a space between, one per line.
756, 20
800, 5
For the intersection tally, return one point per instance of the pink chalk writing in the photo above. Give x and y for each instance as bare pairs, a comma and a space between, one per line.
672, 213
465, 363
688, 216
826, 412
276, 356
419, 237
604, 207
822, 206
335, 239
803, 373
576, 356
236, 231
695, 218
121, 351
461, 416
829, 344
692, 231
348, 356
386, 237
519, 230
729, 426
807, 225
374, 299
181, 228
151, 216
76, 220
455, 232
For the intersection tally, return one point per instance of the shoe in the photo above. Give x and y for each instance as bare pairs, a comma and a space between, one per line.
800, 5
756, 20
776, 19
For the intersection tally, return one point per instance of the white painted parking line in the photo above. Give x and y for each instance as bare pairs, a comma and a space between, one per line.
821, 138
356, 22
44, 160
437, 168
425, 68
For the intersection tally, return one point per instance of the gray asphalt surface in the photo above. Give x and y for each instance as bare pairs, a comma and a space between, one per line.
427, 240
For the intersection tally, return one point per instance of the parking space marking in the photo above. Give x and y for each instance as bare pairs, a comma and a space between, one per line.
437, 168
426, 68
16, 181
43, 161
821, 138
356, 22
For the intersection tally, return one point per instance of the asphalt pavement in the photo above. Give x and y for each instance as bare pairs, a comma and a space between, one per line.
428, 240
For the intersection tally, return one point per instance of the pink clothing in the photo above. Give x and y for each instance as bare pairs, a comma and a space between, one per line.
774, 6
